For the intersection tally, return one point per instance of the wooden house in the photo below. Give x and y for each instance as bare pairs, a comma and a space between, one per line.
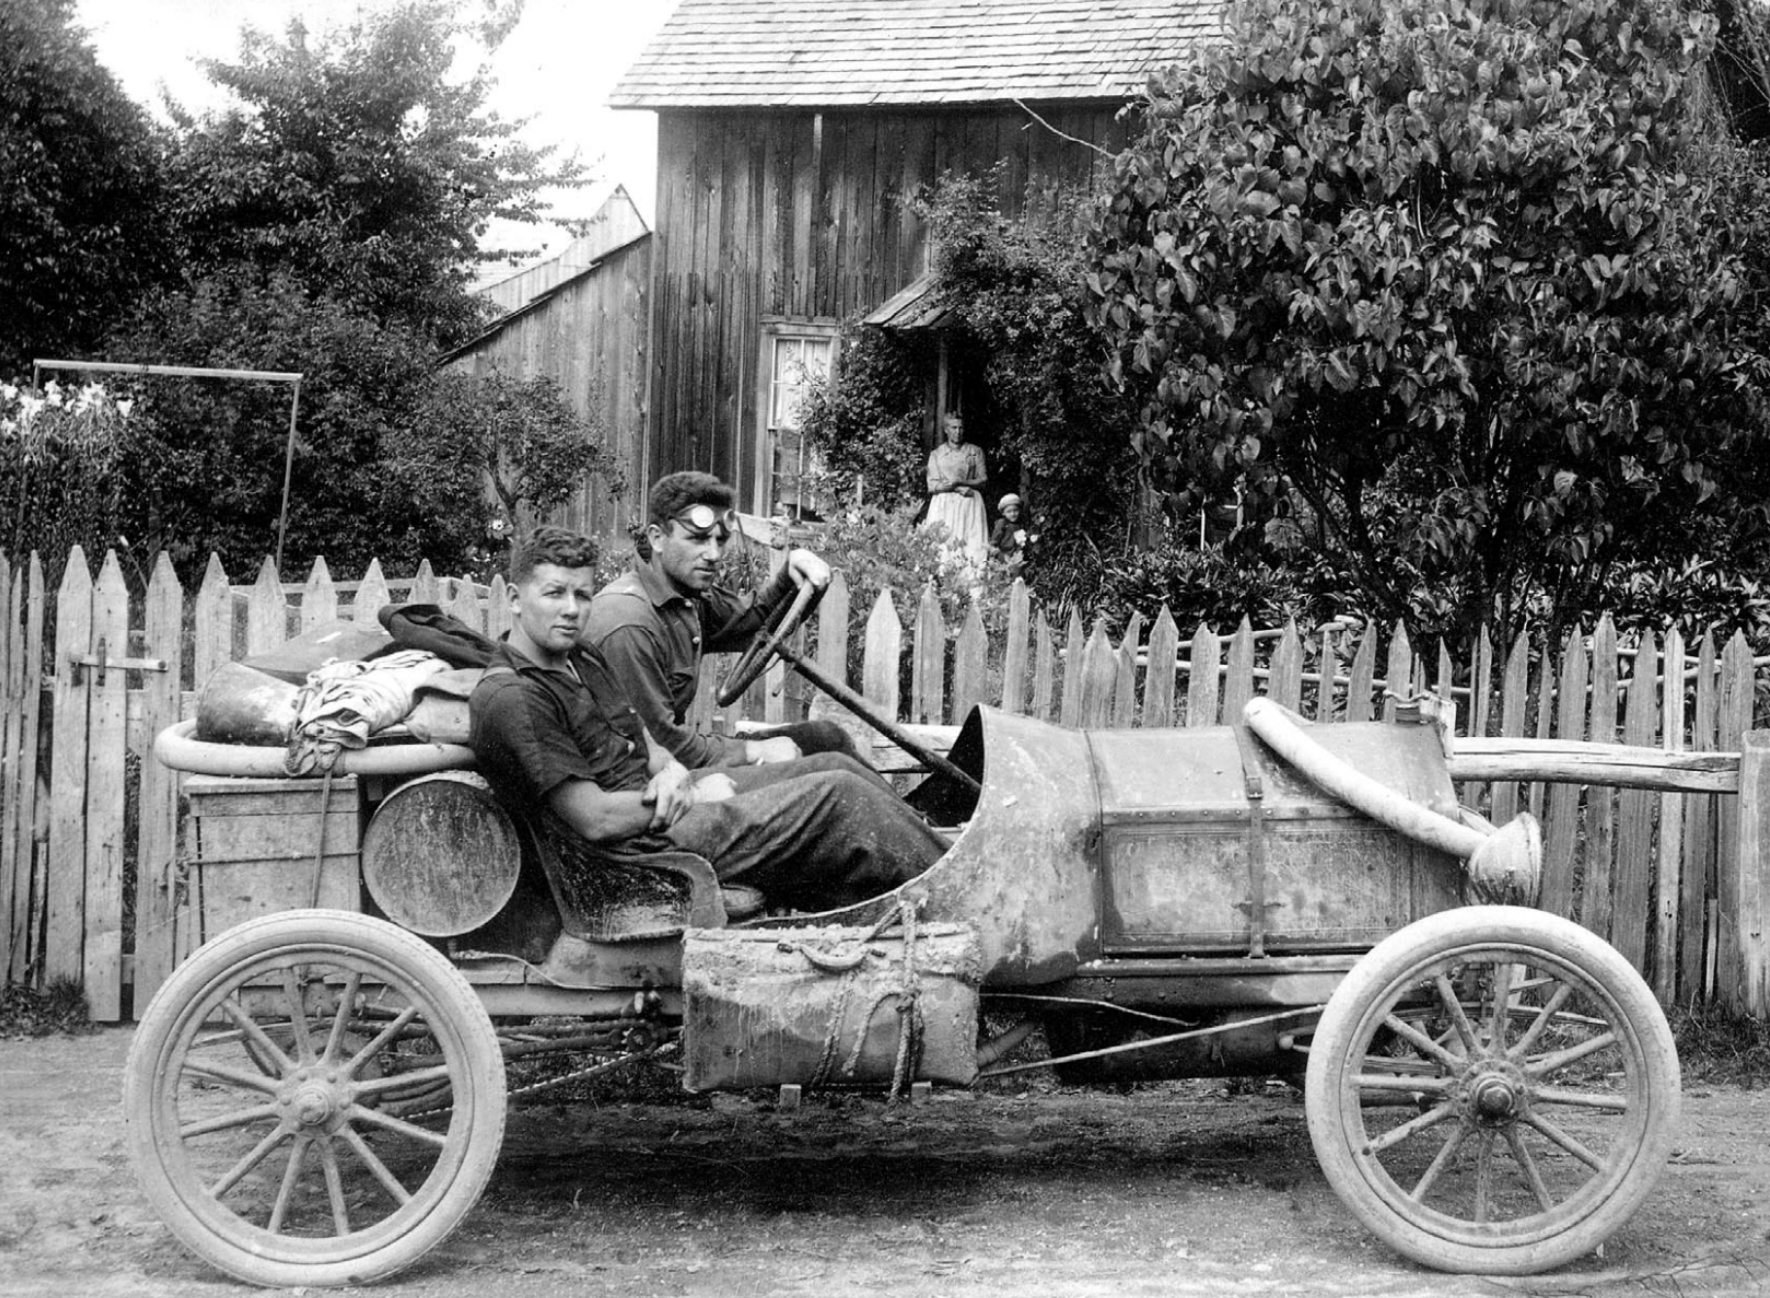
579, 318
790, 135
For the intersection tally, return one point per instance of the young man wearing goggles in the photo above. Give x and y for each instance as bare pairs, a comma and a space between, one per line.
653, 625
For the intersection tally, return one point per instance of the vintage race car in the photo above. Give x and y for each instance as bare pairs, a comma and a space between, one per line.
318, 1096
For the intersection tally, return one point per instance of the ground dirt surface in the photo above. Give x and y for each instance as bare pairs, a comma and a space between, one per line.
1190, 1188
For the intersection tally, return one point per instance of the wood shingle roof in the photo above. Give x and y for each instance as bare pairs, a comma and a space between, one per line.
855, 53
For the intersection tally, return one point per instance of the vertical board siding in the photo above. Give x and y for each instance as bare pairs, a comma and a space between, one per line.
589, 336
805, 215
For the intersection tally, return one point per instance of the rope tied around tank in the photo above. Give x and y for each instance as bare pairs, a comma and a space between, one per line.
846, 962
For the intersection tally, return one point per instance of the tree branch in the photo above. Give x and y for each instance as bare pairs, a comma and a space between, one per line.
1063, 135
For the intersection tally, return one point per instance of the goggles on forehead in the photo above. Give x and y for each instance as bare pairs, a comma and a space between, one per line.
704, 518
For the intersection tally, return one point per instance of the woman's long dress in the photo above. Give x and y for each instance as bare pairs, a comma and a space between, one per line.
962, 516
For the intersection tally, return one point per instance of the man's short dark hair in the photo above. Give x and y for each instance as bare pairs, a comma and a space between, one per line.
555, 545
675, 492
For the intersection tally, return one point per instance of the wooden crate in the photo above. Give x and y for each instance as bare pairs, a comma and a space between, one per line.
254, 847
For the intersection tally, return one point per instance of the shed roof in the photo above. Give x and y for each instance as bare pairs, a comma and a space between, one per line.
915, 306
861, 53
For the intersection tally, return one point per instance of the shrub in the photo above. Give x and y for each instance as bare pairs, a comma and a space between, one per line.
63, 466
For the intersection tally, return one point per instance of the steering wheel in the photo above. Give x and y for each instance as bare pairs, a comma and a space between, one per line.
782, 621
770, 643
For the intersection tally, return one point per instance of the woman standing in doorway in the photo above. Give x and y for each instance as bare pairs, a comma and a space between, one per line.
956, 474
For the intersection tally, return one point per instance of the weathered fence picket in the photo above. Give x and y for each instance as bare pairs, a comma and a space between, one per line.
107, 701
157, 890
1158, 685
65, 943
1238, 681
1561, 822
1362, 678
1669, 858
1070, 711
969, 666
1044, 667
1595, 911
1632, 876
1743, 839
1098, 666
1124, 695
832, 629
1202, 684
319, 600
928, 676
23, 788
884, 655
212, 630
1014, 649
1699, 837
267, 612
15, 772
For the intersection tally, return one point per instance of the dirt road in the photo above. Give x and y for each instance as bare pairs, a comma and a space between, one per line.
1186, 1189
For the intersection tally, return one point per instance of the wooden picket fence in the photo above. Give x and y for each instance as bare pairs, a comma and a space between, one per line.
1657, 847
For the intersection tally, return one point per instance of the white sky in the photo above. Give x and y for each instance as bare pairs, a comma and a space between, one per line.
557, 67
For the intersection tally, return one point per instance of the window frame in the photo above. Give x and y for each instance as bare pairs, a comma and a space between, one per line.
776, 330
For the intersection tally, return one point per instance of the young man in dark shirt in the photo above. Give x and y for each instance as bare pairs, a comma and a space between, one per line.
557, 735
654, 624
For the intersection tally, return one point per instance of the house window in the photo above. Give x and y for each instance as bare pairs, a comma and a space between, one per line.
799, 362
797, 355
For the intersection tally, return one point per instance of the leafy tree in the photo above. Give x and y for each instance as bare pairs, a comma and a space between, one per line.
81, 191
210, 477
331, 222
519, 438
1455, 273
360, 165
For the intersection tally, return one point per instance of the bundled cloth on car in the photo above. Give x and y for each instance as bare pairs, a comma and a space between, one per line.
343, 703
829, 1005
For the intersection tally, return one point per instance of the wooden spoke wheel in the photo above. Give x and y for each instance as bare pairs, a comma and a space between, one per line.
1492, 1089
314, 1098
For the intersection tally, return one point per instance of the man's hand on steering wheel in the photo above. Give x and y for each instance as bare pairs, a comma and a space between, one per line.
807, 567
782, 621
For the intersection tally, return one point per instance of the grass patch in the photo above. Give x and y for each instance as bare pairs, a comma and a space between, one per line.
61, 1008
1719, 1047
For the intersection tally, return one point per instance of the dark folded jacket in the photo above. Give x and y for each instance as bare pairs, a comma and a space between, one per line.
427, 627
